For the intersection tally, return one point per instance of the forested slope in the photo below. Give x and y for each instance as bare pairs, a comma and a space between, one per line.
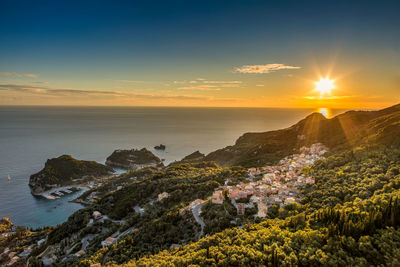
350, 218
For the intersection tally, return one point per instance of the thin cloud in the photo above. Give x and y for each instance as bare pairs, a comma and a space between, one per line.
326, 97
223, 82
180, 82
259, 85
13, 74
60, 92
130, 81
262, 69
200, 88
41, 82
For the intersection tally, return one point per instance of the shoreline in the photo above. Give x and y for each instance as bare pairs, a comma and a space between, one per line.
69, 189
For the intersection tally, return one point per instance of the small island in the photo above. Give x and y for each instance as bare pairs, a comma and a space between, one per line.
132, 159
65, 171
160, 147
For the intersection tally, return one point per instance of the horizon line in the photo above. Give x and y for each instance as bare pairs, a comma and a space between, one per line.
219, 107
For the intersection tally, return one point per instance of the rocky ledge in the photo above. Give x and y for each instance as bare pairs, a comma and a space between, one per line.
65, 170
160, 147
134, 158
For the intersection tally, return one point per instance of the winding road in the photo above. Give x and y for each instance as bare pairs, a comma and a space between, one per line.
196, 214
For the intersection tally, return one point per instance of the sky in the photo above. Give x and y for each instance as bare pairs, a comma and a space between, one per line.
200, 53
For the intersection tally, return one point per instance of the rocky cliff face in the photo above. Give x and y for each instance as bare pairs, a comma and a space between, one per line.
344, 131
133, 158
63, 171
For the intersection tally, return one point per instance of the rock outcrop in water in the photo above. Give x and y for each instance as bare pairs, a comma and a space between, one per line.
160, 147
133, 158
66, 170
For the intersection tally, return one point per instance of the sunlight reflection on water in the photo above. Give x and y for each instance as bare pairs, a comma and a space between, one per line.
326, 112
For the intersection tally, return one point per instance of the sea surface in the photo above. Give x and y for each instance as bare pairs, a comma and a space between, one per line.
31, 135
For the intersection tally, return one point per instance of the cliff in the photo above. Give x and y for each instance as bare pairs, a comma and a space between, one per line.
63, 171
339, 133
132, 158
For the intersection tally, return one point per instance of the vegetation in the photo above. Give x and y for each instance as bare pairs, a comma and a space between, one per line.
192, 158
355, 224
131, 158
64, 169
340, 133
349, 217
17, 239
162, 224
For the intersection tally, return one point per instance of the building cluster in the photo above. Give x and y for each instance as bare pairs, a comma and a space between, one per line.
14, 256
272, 185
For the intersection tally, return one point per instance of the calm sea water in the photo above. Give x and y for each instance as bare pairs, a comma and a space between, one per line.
31, 135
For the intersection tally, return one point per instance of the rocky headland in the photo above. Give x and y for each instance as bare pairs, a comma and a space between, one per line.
65, 170
133, 159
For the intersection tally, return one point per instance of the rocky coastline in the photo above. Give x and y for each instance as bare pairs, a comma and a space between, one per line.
133, 159
63, 174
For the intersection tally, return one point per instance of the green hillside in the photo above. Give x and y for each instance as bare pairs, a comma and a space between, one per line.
350, 218
63, 170
342, 132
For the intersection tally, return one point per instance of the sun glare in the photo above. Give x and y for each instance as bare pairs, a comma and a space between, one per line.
324, 86
325, 111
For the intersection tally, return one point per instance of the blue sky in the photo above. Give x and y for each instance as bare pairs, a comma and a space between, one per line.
160, 46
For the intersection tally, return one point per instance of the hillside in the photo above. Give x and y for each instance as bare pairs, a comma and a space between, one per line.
136, 216
132, 158
313, 208
63, 171
351, 217
342, 132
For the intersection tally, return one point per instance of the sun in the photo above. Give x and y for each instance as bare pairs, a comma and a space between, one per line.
324, 86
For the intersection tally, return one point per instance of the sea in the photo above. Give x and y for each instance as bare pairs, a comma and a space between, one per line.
29, 135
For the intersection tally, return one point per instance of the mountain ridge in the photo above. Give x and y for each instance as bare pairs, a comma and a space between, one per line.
341, 132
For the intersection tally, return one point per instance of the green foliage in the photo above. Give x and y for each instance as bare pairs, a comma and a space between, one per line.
350, 218
128, 158
345, 131
64, 169
5, 224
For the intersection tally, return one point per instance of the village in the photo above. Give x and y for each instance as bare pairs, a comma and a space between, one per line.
270, 185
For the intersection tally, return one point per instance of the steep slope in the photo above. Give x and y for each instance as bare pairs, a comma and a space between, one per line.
341, 132
351, 218
132, 158
63, 170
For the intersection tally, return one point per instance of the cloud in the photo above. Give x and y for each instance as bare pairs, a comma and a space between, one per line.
201, 84
41, 82
180, 82
13, 74
268, 68
259, 85
130, 81
201, 88
224, 82
62, 92
334, 97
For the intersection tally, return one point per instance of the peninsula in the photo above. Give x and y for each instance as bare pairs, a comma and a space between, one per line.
132, 159
65, 170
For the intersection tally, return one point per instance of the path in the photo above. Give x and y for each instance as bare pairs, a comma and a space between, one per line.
196, 214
